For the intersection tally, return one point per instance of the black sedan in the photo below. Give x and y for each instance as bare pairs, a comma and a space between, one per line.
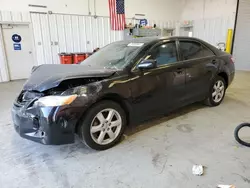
122, 83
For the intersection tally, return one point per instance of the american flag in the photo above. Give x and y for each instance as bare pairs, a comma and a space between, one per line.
117, 14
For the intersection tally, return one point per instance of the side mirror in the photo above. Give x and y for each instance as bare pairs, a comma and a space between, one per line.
147, 64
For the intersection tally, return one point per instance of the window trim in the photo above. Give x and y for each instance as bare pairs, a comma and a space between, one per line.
204, 46
147, 55
195, 41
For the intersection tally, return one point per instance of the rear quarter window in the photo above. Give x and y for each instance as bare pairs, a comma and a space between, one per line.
194, 50
207, 52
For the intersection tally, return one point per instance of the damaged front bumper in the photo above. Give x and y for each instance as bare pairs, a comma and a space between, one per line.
46, 125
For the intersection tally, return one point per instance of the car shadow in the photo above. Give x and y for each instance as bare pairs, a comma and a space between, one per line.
135, 128
70, 150
79, 149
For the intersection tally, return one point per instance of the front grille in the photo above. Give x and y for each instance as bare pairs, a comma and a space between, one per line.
28, 96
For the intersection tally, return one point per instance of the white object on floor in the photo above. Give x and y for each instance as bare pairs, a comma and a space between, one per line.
226, 186
197, 170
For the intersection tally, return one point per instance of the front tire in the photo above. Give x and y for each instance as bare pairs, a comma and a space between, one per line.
103, 125
216, 92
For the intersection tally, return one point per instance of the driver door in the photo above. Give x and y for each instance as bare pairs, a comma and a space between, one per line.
160, 89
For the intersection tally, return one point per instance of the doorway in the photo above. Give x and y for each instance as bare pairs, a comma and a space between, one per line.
18, 49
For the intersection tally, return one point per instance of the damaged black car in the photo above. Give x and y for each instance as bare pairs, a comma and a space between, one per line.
123, 83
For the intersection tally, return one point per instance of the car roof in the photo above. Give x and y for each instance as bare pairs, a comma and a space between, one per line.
152, 40
142, 40
156, 39
180, 37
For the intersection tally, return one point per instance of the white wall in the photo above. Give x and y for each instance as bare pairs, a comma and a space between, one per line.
159, 10
206, 9
212, 18
163, 10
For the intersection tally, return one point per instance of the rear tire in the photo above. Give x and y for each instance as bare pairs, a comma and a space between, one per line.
103, 125
216, 92
236, 134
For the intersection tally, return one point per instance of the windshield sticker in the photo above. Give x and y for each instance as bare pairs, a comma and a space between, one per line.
136, 44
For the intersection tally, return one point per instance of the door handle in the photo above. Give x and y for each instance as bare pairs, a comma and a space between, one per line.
214, 61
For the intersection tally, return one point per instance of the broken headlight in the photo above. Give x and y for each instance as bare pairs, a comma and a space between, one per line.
79, 91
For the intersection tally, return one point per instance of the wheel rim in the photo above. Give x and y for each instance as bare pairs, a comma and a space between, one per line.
106, 126
218, 91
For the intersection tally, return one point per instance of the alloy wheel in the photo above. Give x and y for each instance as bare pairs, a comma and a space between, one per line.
106, 126
218, 91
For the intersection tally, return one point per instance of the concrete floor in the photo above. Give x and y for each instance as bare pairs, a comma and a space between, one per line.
158, 154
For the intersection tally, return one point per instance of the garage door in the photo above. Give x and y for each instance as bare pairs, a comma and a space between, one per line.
241, 50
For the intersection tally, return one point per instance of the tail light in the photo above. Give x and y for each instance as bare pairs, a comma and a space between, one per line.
232, 59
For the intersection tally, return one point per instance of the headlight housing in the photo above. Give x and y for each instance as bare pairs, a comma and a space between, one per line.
66, 98
55, 100
79, 91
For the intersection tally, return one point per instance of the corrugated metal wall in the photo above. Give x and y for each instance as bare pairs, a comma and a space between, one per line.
56, 33
9, 16
213, 30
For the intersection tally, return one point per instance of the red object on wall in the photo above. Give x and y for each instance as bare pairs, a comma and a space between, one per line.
65, 58
78, 57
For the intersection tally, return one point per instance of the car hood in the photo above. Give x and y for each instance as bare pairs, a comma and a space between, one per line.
45, 77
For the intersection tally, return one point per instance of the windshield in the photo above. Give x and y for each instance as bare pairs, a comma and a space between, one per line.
116, 55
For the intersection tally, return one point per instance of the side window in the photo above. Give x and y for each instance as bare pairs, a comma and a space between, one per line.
165, 54
191, 50
207, 52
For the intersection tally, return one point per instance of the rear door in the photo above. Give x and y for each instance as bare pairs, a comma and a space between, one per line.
199, 62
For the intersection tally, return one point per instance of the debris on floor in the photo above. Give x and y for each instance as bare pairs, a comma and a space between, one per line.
226, 186
197, 170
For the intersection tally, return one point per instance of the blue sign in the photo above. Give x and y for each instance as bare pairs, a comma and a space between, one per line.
17, 46
16, 38
143, 22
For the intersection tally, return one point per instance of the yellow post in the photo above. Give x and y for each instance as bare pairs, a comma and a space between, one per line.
229, 40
